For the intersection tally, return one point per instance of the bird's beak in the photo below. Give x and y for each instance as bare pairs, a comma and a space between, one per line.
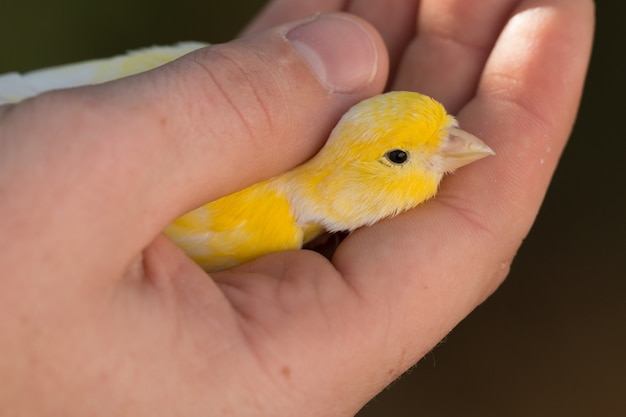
462, 148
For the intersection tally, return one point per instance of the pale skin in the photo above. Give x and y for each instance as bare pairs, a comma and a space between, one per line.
101, 315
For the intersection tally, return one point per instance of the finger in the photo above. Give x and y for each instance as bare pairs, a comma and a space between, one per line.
447, 55
117, 162
278, 12
428, 268
394, 20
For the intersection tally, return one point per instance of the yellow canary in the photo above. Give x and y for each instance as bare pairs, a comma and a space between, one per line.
386, 155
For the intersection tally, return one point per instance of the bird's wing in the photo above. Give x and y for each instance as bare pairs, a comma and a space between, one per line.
15, 87
237, 228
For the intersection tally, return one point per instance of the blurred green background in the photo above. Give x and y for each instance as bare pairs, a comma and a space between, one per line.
552, 340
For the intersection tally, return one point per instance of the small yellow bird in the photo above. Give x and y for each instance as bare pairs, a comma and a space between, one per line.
386, 155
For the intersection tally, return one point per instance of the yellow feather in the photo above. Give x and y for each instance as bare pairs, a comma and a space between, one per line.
240, 227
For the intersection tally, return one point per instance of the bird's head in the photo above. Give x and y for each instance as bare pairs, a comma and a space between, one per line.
387, 154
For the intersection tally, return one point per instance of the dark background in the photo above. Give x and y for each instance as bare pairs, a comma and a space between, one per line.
552, 340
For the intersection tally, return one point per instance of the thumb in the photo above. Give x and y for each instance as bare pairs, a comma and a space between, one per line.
146, 148
233, 114
263, 104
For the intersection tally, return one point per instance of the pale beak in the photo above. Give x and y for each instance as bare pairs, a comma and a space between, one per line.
461, 149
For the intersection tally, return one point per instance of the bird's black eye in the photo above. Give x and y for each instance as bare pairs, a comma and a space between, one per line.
397, 156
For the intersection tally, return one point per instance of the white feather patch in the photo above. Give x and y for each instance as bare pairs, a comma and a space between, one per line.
15, 87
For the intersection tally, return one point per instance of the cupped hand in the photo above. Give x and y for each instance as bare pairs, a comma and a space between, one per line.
102, 315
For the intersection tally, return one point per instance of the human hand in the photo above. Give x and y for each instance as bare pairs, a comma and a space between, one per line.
103, 316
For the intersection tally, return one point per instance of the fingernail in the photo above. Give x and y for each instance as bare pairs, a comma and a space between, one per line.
340, 51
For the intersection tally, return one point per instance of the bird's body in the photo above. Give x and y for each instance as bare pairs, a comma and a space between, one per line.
241, 227
386, 155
